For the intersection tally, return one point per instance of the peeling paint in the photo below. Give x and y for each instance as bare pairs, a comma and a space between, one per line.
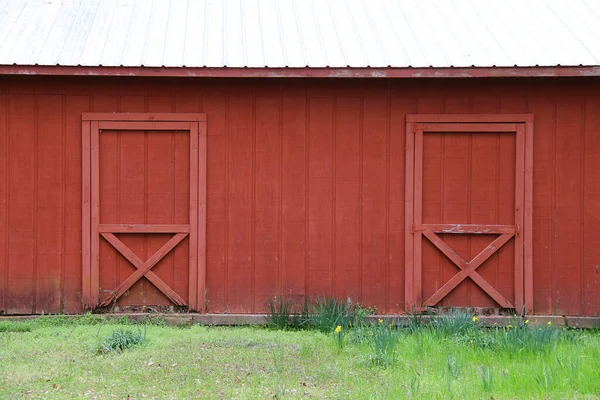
471, 72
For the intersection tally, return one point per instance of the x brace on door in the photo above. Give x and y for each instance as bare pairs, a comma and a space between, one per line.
144, 268
468, 269
93, 230
417, 126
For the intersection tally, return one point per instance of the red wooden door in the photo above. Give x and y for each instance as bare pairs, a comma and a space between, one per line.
469, 192
144, 229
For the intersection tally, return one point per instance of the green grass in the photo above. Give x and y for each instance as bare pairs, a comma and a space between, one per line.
60, 360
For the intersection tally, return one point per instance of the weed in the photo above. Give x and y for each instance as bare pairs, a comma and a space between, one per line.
279, 313
415, 323
68, 320
327, 313
453, 366
14, 326
120, 340
301, 319
384, 344
360, 314
153, 320
414, 386
454, 323
522, 338
547, 377
487, 378
453, 370
278, 354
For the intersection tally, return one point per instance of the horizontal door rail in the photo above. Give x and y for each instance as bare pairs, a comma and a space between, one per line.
144, 126
470, 128
143, 228
475, 229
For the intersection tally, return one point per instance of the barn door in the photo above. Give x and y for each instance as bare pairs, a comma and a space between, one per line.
468, 213
143, 220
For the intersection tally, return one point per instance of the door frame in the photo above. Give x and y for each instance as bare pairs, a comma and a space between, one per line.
91, 126
524, 165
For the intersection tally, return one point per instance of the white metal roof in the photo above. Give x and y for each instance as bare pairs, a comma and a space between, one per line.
300, 33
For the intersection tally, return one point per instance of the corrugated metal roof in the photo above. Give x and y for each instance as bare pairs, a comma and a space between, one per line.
300, 33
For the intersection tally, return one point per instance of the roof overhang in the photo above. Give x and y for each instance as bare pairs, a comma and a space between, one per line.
184, 72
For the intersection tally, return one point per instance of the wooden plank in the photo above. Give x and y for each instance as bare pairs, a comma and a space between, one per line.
396, 230
491, 291
374, 211
240, 212
469, 118
193, 263
21, 267
144, 228
474, 229
418, 217
445, 248
568, 216
95, 213
267, 192
144, 268
133, 116
4, 193
201, 228
519, 205
468, 128
320, 196
216, 200
144, 126
86, 215
72, 287
409, 294
294, 177
49, 204
347, 250
528, 220
138, 263
468, 269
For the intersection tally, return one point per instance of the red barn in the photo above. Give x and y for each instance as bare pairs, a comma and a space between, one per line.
208, 156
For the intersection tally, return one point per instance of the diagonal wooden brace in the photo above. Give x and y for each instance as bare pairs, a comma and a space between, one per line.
467, 269
144, 268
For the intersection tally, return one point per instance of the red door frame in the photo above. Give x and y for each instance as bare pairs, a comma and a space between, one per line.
522, 126
92, 124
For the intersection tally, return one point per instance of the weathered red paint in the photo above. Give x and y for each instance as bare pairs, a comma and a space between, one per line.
336, 72
305, 184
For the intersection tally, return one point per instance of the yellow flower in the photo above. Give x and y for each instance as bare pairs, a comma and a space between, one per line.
380, 321
338, 329
509, 326
526, 321
549, 322
475, 319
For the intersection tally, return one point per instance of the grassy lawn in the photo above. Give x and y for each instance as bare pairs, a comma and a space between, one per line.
454, 359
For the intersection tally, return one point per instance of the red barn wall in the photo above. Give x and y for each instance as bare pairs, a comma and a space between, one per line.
305, 184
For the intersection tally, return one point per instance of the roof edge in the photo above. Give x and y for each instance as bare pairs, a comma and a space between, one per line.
224, 72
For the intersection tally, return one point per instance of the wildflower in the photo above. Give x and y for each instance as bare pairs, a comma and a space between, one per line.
338, 329
549, 322
526, 321
475, 319
380, 321
509, 326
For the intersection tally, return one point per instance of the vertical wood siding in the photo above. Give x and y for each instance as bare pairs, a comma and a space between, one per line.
305, 191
